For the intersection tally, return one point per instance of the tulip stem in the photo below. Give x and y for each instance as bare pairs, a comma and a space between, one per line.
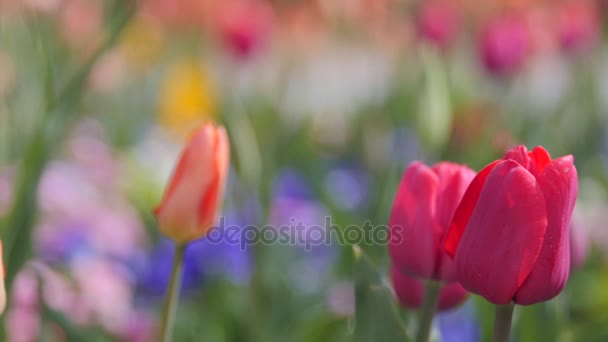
172, 296
502, 322
431, 297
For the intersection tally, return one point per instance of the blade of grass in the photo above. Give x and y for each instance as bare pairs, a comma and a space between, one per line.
373, 294
17, 226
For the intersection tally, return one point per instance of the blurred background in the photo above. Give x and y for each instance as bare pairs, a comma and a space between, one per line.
325, 102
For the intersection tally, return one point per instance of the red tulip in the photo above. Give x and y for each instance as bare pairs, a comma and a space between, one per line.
421, 214
509, 236
410, 292
191, 202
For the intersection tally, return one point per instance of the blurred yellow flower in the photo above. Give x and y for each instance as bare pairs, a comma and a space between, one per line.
187, 96
142, 42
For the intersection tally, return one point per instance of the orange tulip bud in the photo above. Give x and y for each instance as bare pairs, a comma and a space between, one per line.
191, 202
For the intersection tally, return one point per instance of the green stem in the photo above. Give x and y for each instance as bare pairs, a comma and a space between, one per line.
172, 296
502, 322
429, 306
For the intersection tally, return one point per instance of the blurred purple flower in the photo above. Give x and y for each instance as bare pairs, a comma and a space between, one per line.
61, 243
224, 258
153, 269
108, 233
405, 146
202, 259
459, 325
347, 187
291, 184
294, 208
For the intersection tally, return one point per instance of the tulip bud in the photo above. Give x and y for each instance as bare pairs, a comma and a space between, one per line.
423, 207
193, 197
410, 292
509, 236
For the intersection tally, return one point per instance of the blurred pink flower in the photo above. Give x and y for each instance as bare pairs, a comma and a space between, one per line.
22, 324
65, 192
47, 7
178, 13
25, 290
438, 21
58, 291
504, 43
90, 151
578, 25
579, 245
244, 26
141, 327
116, 232
110, 72
81, 23
104, 292
23, 317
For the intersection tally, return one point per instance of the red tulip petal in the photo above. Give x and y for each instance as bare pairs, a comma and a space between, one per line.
520, 155
414, 231
504, 234
180, 168
559, 183
451, 296
409, 291
465, 209
453, 182
446, 268
209, 203
541, 158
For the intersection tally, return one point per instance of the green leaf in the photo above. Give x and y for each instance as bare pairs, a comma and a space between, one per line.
377, 316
